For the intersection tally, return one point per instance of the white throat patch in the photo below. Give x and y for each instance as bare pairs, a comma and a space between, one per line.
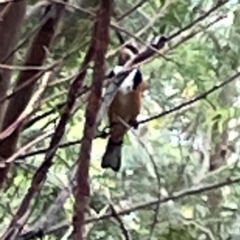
128, 82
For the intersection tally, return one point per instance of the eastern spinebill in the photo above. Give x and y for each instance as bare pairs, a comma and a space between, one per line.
125, 107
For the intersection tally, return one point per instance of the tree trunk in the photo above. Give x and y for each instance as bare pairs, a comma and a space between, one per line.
101, 40
36, 56
12, 15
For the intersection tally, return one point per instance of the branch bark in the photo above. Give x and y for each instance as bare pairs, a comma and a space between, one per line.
11, 16
101, 40
35, 57
193, 191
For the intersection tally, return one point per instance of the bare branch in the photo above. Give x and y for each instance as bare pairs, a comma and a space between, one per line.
194, 100
36, 55
11, 18
121, 224
34, 101
196, 190
101, 41
131, 10
9, 144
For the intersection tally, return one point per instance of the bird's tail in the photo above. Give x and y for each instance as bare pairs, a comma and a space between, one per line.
112, 156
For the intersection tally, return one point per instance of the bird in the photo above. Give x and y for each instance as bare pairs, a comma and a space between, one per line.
124, 108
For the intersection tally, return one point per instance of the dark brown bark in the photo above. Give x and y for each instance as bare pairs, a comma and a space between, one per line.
35, 57
101, 40
11, 15
41, 172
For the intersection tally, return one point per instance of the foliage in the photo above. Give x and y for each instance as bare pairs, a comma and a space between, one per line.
163, 157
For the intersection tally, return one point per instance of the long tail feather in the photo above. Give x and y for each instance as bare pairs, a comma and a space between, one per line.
112, 156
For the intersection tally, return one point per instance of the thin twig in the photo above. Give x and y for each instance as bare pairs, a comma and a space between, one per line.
33, 103
131, 10
121, 224
192, 101
203, 188
25, 148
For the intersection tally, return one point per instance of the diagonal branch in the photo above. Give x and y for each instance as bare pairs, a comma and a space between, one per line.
36, 56
131, 10
120, 222
11, 15
41, 173
219, 4
33, 103
192, 101
196, 190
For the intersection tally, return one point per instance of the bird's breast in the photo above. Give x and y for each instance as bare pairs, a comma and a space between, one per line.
127, 106
123, 98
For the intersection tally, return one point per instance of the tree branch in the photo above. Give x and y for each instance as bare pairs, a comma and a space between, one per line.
175, 196
194, 100
36, 56
101, 40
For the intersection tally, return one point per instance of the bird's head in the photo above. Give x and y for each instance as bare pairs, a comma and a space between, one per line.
127, 52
